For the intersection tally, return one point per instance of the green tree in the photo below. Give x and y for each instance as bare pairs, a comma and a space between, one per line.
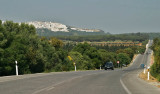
82, 48
90, 52
155, 69
77, 58
123, 58
128, 51
56, 43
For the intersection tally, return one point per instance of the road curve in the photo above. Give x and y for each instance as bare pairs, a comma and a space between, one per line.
119, 81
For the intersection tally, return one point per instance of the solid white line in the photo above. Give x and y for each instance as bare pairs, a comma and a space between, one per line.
123, 85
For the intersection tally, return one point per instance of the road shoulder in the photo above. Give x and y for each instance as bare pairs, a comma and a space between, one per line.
152, 80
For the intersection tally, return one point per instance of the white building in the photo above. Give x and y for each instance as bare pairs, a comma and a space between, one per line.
50, 25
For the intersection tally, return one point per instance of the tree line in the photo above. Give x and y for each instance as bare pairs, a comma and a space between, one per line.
155, 68
20, 42
107, 37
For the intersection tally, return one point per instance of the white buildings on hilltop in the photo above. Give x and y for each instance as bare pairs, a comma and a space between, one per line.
49, 25
58, 27
86, 30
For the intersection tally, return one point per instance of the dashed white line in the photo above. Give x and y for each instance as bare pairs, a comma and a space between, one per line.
50, 88
53, 86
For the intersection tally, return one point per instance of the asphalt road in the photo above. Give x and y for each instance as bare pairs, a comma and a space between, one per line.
118, 81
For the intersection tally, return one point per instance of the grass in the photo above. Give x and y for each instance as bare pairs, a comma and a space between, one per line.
151, 80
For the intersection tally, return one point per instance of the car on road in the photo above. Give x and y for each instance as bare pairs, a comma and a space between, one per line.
142, 66
109, 65
124, 65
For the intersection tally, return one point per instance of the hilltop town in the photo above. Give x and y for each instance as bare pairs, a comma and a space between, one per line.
55, 27
49, 25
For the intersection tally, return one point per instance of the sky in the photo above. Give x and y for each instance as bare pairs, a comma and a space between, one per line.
114, 16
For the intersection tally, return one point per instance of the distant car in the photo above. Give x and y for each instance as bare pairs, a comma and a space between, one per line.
109, 65
142, 66
124, 65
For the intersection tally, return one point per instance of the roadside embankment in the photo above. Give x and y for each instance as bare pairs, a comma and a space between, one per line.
152, 80
144, 76
134, 57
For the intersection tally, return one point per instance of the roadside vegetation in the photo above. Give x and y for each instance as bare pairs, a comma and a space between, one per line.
20, 42
155, 69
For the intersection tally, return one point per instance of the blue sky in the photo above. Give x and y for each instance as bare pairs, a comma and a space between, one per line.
114, 16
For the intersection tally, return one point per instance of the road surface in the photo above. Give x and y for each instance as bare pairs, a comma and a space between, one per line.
118, 81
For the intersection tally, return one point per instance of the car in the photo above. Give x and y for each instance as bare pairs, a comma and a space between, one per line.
109, 65
124, 65
142, 66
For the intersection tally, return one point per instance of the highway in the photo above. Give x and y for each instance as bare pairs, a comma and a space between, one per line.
118, 81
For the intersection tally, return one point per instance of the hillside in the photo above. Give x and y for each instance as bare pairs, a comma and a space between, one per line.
55, 29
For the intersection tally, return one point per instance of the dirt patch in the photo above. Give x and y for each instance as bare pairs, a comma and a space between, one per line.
158, 86
152, 60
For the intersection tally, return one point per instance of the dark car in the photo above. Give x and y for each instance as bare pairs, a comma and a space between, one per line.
109, 65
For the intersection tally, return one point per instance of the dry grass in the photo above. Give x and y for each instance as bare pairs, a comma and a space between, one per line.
133, 59
145, 77
151, 80
152, 60
158, 86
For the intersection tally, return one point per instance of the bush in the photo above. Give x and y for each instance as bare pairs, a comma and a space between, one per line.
158, 78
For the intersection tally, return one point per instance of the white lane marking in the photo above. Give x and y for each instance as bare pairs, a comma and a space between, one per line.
50, 88
47, 88
123, 85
